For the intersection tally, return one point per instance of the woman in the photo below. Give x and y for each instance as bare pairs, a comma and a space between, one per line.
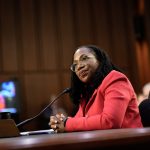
105, 96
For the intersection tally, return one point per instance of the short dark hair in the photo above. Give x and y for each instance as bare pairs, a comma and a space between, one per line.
79, 88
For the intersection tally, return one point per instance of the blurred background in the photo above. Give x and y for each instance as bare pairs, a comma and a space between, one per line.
39, 37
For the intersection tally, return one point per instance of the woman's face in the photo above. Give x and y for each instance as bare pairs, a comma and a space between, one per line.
85, 64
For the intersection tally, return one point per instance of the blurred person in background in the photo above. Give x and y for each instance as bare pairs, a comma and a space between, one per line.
145, 93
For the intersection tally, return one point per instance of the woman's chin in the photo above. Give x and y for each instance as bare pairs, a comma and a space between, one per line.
85, 79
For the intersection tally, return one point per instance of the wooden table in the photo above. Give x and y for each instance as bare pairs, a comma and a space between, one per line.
98, 139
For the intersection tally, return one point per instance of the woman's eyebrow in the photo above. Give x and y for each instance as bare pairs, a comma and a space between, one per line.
75, 60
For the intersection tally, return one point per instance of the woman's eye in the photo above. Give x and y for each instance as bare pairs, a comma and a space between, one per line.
84, 58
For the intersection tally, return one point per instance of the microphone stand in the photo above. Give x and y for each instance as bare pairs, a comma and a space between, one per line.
67, 90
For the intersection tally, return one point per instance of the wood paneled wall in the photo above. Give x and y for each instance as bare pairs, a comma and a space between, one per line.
38, 38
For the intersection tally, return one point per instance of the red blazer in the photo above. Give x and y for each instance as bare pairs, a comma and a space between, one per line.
113, 105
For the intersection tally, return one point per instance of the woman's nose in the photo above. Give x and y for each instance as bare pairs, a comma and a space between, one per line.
80, 66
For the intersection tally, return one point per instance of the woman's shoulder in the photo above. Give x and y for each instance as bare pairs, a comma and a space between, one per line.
113, 77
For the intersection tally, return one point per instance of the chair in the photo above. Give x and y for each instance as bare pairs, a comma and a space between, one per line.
144, 109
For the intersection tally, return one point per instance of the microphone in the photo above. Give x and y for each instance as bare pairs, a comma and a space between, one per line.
67, 90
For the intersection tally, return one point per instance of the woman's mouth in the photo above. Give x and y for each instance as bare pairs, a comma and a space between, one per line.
83, 73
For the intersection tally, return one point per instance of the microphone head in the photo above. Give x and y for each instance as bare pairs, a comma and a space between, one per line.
67, 90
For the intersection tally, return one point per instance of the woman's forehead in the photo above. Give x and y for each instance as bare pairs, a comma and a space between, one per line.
83, 51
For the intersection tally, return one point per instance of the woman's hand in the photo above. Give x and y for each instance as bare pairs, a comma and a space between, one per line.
57, 123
